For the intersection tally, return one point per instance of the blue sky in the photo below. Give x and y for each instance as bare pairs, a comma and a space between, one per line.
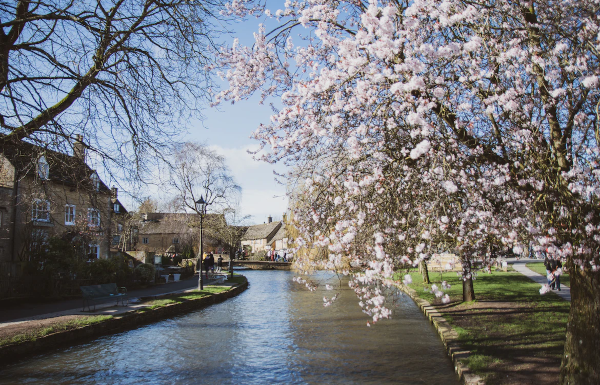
227, 129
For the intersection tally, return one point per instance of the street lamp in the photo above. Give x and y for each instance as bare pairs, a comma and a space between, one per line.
200, 207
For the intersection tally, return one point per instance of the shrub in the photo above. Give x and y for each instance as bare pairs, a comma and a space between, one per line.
145, 272
259, 256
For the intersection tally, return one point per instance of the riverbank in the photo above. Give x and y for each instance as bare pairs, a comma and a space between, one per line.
22, 339
509, 335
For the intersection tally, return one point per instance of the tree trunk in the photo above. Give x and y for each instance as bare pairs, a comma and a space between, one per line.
424, 272
581, 360
468, 292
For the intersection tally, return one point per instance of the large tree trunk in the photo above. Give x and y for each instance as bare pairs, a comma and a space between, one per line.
468, 292
581, 360
424, 271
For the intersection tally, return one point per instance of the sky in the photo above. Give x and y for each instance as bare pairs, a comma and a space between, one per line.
227, 129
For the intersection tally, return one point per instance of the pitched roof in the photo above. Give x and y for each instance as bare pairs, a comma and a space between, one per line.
281, 233
122, 209
65, 169
176, 223
264, 231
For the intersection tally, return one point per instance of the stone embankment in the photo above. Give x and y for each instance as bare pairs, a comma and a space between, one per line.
449, 338
119, 323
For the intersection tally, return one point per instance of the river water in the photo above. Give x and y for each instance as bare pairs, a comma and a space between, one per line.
276, 332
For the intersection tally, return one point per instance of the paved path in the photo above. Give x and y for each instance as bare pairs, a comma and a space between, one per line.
30, 311
519, 265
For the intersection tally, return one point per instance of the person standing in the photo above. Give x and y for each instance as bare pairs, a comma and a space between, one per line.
219, 264
557, 272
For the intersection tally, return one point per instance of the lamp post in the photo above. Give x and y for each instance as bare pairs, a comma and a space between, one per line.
200, 207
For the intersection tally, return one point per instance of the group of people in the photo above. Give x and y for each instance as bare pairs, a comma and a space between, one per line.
277, 256
553, 270
209, 263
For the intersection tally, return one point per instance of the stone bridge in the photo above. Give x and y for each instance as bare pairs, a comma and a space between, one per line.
263, 265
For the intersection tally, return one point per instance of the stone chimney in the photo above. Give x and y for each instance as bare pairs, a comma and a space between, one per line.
114, 192
270, 219
79, 147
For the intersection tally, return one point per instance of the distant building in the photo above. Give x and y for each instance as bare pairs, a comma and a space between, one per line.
179, 233
260, 237
280, 239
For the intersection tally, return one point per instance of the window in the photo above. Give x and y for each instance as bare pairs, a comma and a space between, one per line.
119, 228
145, 240
175, 240
116, 207
116, 239
94, 217
43, 169
95, 181
40, 210
69, 214
94, 251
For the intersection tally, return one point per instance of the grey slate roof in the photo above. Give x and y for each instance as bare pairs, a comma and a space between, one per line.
264, 231
281, 233
176, 223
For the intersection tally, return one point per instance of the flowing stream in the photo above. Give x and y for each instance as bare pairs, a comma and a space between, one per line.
276, 332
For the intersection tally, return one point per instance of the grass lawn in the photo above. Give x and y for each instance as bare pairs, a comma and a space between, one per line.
539, 268
195, 294
515, 335
37, 332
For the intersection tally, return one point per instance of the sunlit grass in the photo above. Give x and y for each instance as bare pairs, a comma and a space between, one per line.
509, 318
58, 327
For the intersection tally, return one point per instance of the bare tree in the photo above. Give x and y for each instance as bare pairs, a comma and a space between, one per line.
199, 171
125, 74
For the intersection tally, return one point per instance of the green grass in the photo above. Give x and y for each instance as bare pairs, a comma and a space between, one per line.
192, 295
539, 268
509, 319
58, 327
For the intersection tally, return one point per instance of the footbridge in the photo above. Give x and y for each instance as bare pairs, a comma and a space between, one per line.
263, 265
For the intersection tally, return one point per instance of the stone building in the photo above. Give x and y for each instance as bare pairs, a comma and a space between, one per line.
45, 193
177, 233
260, 237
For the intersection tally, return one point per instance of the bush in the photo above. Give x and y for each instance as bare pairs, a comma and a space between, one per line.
259, 256
145, 272
102, 271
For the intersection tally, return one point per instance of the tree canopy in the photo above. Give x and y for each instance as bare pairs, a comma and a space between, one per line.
125, 74
422, 126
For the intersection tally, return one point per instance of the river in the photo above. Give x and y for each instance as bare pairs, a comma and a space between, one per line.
276, 332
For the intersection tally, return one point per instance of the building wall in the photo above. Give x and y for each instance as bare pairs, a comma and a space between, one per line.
256, 244
31, 188
157, 243
6, 200
281, 244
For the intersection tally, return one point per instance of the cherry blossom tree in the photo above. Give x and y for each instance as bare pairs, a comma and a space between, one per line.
426, 125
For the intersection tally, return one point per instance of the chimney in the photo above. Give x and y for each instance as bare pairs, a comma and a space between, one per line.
270, 219
79, 148
114, 192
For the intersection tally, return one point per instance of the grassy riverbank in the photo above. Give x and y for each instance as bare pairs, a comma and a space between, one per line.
24, 338
515, 335
59, 326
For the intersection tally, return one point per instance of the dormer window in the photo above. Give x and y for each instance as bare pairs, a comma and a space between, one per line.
116, 207
43, 169
95, 181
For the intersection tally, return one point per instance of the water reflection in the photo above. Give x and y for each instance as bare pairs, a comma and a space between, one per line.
275, 332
